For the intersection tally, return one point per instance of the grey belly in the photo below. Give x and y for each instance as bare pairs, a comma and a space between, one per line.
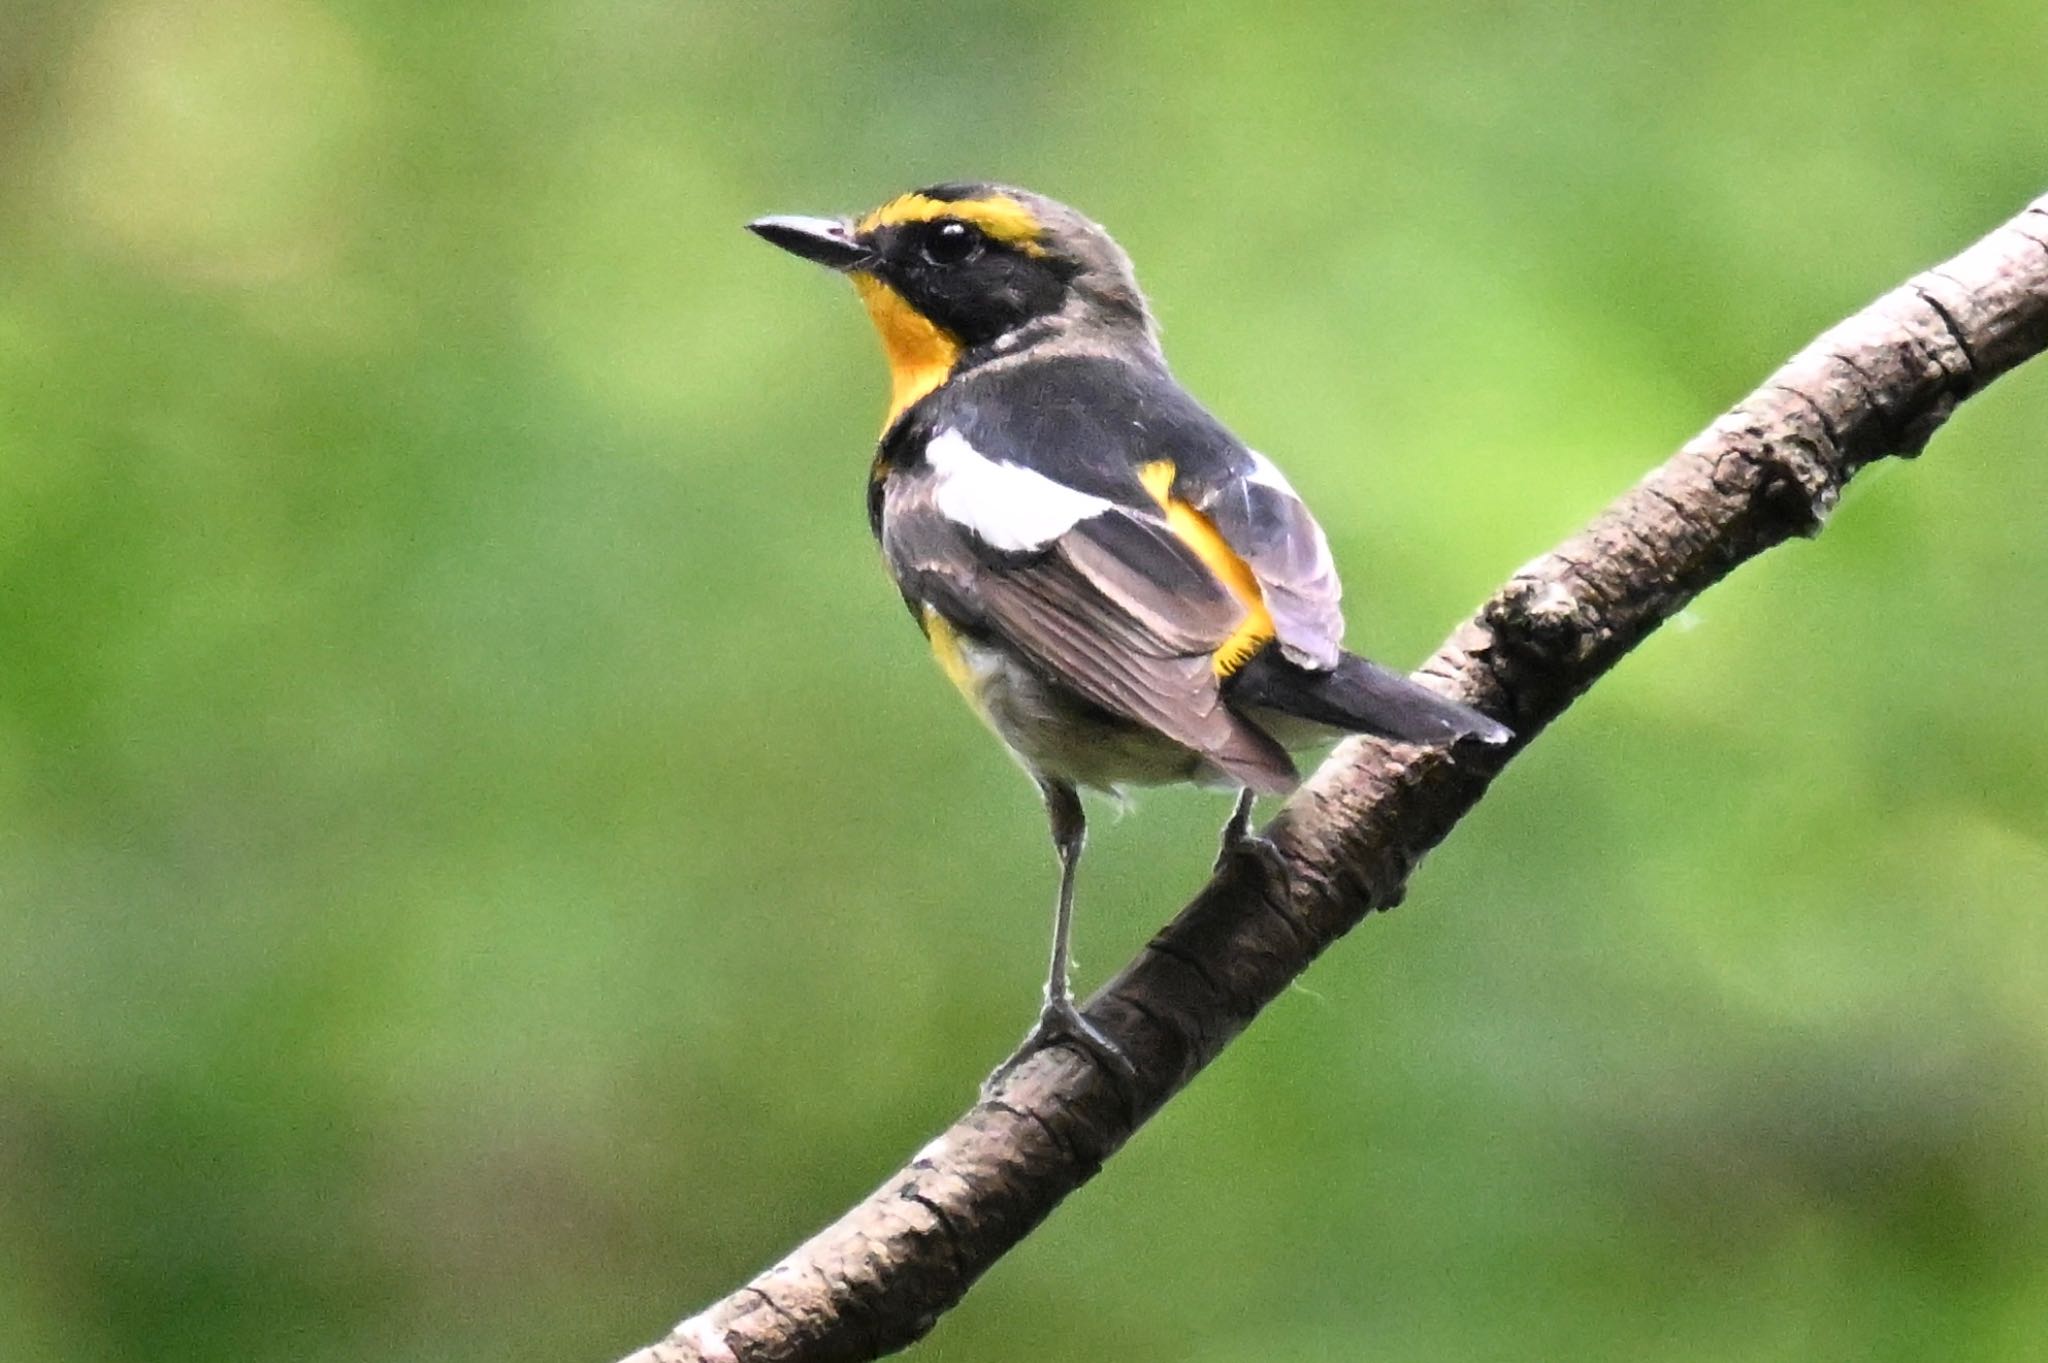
1056, 733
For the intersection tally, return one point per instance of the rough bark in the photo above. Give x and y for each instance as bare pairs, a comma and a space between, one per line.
1773, 467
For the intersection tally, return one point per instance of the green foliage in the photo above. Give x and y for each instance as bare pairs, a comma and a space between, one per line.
484, 861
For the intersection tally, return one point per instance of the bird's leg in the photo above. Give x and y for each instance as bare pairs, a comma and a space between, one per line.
1236, 828
1238, 840
1060, 1020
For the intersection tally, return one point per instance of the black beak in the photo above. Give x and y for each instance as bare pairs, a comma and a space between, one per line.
827, 241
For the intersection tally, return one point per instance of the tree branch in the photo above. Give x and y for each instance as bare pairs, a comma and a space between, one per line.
1880, 383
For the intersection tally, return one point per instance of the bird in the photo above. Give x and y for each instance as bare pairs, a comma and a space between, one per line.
1124, 591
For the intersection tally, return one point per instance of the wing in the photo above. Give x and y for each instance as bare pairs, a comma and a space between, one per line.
1122, 430
1100, 597
1263, 520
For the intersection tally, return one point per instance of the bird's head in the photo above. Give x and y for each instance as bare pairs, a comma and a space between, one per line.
962, 272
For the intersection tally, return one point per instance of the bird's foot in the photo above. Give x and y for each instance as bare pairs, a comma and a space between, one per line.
1062, 1022
1242, 842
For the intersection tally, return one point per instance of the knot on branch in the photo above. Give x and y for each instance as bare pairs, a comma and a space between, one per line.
1535, 619
1913, 436
1796, 484
1788, 465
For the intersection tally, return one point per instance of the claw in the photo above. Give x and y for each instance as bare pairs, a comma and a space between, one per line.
1062, 1022
1260, 849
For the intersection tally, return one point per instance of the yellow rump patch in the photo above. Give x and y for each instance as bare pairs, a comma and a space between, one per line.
1194, 530
998, 215
920, 352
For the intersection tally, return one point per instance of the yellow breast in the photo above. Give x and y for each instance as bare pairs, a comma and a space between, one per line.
952, 658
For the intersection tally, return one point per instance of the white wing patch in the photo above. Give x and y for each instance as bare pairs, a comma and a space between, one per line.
1010, 507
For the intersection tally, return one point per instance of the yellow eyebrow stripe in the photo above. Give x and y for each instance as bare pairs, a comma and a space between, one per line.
998, 215
1194, 530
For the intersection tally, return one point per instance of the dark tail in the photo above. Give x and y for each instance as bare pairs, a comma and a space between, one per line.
1358, 697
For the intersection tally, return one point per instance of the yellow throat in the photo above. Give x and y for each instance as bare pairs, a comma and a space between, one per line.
919, 351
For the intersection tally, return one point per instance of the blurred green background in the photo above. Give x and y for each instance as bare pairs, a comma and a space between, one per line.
485, 864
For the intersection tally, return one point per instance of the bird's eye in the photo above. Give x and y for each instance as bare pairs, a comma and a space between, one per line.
950, 243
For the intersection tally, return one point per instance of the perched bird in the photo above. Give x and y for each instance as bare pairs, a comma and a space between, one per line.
1122, 589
